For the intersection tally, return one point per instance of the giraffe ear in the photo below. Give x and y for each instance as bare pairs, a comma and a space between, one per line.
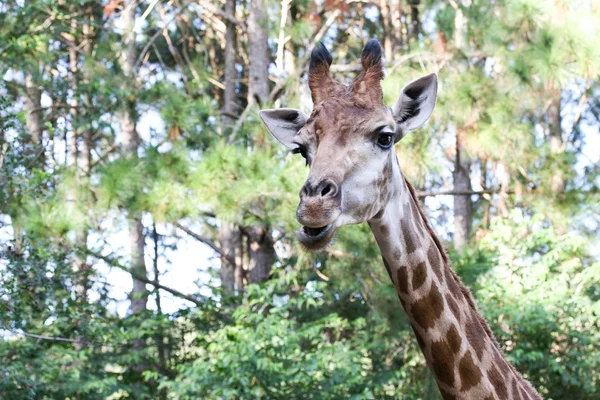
284, 124
416, 103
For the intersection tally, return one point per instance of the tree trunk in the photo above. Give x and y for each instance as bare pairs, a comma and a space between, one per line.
460, 23
396, 17
258, 69
127, 120
503, 176
33, 119
80, 150
261, 253
557, 182
139, 294
462, 204
415, 22
230, 58
485, 203
260, 245
230, 240
385, 13
159, 337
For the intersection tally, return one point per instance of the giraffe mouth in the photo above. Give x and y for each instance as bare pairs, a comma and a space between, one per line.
314, 232
315, 238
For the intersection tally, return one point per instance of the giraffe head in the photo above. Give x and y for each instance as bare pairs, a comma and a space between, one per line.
348, 142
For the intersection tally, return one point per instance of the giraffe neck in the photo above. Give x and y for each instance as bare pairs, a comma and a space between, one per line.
456, 341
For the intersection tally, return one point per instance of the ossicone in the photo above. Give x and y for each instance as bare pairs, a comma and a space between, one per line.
367, 85
319, 56
319, 78
371, 54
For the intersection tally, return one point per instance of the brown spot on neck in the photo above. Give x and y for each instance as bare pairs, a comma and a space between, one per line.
436, 262
454, 339
446, 395
443, 358
410, 241
402, 279
428, 309
419, 275
470, 375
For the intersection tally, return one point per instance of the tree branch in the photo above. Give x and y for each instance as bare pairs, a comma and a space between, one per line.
461, 192
216, 11
206, 241
142, 278
44, 337
156, 35
303, 64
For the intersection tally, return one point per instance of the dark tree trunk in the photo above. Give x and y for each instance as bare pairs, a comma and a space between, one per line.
33, 120
261, 253
230, 58
415, 22
230, 240
485, 204
386, 22
260, 244
258, 69
462, 204
396, 17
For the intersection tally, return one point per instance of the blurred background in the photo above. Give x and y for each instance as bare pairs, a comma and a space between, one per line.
147, 245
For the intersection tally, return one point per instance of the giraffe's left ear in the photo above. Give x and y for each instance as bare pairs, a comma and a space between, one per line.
284, 124
416, 103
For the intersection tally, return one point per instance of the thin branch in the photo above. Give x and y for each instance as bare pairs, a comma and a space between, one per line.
303, 64
206, 241
142, 278
216, 11
242, 118
156, 35
44, 337
461, 192
582, 101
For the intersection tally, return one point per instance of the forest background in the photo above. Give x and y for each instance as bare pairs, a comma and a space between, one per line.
147, 244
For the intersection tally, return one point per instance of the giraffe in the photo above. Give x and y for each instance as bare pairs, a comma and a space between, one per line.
354, 177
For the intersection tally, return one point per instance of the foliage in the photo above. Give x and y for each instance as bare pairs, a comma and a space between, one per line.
321, 326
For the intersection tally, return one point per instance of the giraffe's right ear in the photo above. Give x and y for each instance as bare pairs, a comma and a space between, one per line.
284, 124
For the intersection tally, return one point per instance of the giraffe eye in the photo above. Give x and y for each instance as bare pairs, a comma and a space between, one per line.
385, 140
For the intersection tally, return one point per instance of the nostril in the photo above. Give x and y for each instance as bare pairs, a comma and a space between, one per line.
305, 191
328, 189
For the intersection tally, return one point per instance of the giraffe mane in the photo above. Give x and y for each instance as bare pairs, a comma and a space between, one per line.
465, 291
